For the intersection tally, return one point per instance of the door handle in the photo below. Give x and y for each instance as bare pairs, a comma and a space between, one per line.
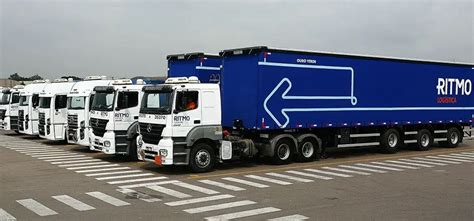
197, 121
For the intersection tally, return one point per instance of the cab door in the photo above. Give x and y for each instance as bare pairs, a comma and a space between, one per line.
187, 112
59, 119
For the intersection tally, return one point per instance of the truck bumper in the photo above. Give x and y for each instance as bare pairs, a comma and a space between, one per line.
54, 132
78, 136
106, 143
161, 154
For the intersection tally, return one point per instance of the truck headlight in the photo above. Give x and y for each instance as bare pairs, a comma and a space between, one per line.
163, 153
107, 143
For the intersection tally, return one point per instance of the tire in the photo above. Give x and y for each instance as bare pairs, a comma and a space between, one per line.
454, 137
202, 158
283, 151
424, 140
132, 150
390, 141
308, 150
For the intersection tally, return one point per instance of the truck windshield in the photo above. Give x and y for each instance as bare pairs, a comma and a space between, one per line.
103, 101
156, 103
15, 98
4, 98
24, 100
76, 103
45, 102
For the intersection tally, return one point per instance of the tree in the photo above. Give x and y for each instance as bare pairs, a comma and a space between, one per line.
18, 77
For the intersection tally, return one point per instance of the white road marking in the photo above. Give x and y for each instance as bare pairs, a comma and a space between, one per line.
378, 167
38, 152
74, 203
309, 175
458, 157
362, 168
5, 216
82, 164
222, 185
219, 206
75, 161
123, 176
297, 179
108, 199
195, 188
463, 155
328, 173
61, 157
395, 165
100, 170
470, 153
68, 158
137, 180
37, 207
90, 167
346, 171
407, 163
296, 217
246, 182
169, 192
199, 200
114, 173
425, 162
147, 184
450, 159
436, 160
243, 214
270, 180
58, 155
139, 195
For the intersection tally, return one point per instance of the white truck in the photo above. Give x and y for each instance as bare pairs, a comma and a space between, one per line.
53, 109
9, 108
28, 107
114, 116
79, 104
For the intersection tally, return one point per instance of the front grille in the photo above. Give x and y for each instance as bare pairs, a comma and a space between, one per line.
151, 133
41, 123
72, 121
21, 119
2, 114
98, 126
14, 122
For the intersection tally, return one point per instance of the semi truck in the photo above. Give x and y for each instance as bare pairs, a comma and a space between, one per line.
9, 108
28, 107
202, 65
291, 105
79, 102
52, 111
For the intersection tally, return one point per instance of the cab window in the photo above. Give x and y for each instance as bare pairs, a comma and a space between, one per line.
35, 100
187, 100
127, 99
60, 102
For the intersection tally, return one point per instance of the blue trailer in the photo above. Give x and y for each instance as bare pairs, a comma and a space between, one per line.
204, 66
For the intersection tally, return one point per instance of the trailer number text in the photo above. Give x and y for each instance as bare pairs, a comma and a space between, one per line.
306, 61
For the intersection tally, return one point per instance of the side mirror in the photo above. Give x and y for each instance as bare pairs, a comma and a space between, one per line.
117, 108
175, 111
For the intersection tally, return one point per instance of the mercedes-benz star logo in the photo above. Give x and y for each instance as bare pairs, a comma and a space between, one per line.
148, 128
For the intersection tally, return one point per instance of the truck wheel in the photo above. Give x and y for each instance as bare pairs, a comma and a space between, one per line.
390, 141
454, 138
282, 152
132, 151
308, 150
424, 140
202, 158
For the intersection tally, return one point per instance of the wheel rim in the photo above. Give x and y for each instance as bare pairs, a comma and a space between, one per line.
203, 158
307, 149
283, 151
392, 140
425, 140
454, 138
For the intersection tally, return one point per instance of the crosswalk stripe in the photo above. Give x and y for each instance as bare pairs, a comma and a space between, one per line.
68, 158
243, 214
450, 159
378, 167
296, 217
90, 167
219, 206
395, 165
346, 171
328, 173
37, 207
297, 179
463, 155
5, 216
108, 199
309, 175
196, 188
470, 153
37, 152
74, 203
75, 161
458, 157
83, 164
58, 155
270, 180
407, 163
436, 160
424, 162
198, 200
99, 170
137, 180
169, 192
139, 195
113, 173
362, 168
222, 185
123, 176
147, 184
61, 157
246, 182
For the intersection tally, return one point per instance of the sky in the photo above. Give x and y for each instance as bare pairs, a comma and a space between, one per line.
125, 38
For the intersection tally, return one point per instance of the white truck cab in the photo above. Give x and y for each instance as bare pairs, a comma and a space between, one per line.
28, 107
53, 109
9, 108
114, 118
79, 104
